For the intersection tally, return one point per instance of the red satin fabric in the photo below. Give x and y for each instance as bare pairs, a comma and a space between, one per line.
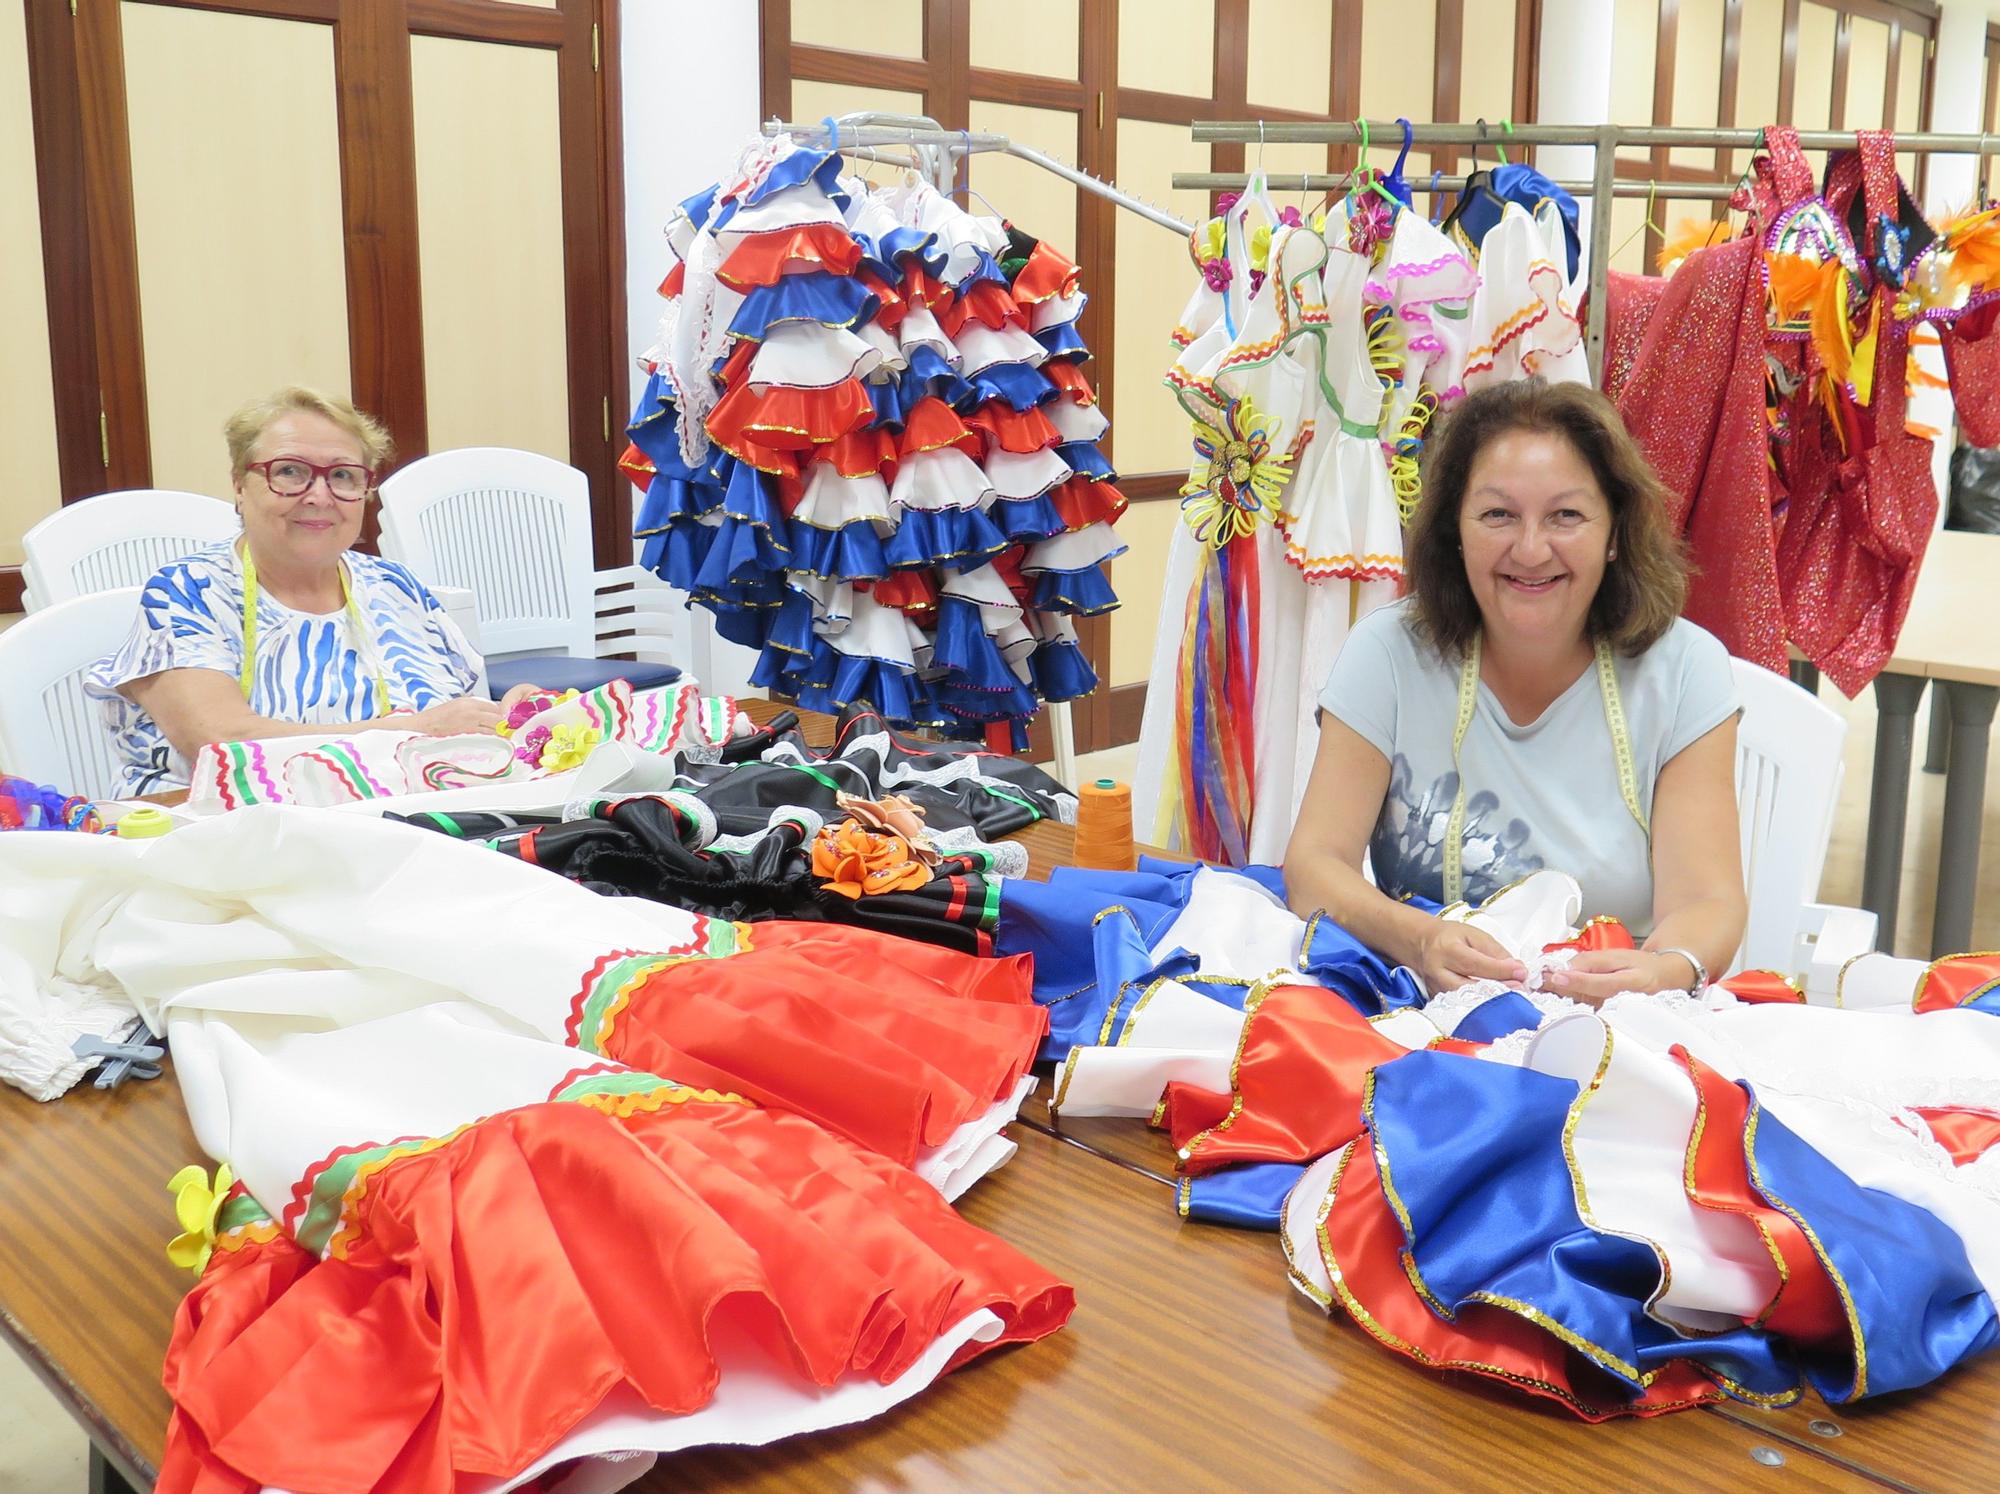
503, 1284
766, 257
783, 418
1695, 402
1045, 274
1807, 1306
1080, 501
1600, 933
890, 1043
1070, 379
1014, 430
1966, 1134
1955, 980
933, 425
1362, 1243
1763, 986
986, 302
1299, 1079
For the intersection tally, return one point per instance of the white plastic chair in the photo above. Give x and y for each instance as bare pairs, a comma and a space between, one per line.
49, 731
514, 528
1788, 774
117, 539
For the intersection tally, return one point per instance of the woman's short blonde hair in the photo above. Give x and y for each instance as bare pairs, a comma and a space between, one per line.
242, 429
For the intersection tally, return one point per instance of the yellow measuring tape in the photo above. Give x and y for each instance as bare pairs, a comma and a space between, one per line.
363, 643
1468, 701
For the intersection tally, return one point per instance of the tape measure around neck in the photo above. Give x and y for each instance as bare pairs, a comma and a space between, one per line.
1468, 702
363, 640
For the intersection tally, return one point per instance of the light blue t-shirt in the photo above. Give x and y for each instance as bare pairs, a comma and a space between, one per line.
310, 667
1541, 795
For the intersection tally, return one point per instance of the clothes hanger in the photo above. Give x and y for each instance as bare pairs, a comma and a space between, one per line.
1652, 194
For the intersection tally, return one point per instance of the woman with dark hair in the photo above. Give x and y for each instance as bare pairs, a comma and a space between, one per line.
1536, 700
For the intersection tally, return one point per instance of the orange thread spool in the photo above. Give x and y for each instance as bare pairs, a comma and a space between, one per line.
1104, 826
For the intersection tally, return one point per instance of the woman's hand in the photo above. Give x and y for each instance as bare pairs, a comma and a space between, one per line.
1452, 954
1600, 974
455, 718
516, 695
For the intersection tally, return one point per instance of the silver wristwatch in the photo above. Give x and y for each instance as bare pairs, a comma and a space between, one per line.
1694, 960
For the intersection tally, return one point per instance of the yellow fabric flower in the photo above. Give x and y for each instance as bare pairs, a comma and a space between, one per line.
568, 746
1238, 474
196, 1204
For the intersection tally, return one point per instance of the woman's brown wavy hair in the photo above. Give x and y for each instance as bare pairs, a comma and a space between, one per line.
1644, 587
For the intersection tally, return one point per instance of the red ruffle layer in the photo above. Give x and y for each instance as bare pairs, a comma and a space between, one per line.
503, 1284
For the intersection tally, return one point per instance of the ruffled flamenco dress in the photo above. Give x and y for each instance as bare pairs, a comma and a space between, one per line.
869, 447
605, 1178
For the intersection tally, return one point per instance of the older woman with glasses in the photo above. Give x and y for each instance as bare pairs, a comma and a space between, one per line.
286, 630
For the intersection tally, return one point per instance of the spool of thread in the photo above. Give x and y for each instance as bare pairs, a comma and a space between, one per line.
143, 823
1104, 826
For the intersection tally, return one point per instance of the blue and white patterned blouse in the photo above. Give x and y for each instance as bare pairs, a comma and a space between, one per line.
310, 667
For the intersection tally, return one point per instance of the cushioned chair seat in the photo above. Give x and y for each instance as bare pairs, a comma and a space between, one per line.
562, 672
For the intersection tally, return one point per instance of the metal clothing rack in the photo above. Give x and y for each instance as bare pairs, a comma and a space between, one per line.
1605, 183
935, 152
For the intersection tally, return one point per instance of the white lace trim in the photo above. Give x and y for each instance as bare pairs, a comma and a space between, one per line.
1010, 857
811, 819
1451, 1008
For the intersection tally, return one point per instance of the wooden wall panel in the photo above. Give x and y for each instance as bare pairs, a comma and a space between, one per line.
488, 153
1034, 37
30, 474
236, 168
1166, 46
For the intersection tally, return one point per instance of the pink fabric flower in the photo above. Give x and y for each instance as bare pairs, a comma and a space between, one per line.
1216, 272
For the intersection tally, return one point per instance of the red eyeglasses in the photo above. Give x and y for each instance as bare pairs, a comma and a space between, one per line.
292, 477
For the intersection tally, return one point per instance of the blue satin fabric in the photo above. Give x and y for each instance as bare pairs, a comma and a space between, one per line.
1369, 982
1473, 1154
1250, 1196
1492, 1020
1989, 1004
1920, 1306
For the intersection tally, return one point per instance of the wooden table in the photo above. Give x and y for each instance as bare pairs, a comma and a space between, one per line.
1190, 1362
1947, 642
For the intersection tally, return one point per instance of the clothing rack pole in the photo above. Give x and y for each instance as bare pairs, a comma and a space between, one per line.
863, 132
1604, 185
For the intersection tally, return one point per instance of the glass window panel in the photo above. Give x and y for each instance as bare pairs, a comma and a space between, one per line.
1291, 54
229, 113
496, 355
1635, 39
1758, 63
881, 28
1398, 58
1486, 63
1628, 239
1138, 576
812, 99
1026, 36
29, 479
1812, 94
1909, 98
1167, 46
1697, 75
1152, 281
1041, 202
1867, 74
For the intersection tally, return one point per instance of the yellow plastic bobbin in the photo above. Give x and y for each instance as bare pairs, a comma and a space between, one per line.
143, 823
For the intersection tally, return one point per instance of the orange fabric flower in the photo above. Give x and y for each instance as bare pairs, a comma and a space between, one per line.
857, 862
896, 815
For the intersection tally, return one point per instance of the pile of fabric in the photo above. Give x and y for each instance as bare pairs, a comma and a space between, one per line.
868, 446
1661, 1202
716, 1157
1311, 359
878, 831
